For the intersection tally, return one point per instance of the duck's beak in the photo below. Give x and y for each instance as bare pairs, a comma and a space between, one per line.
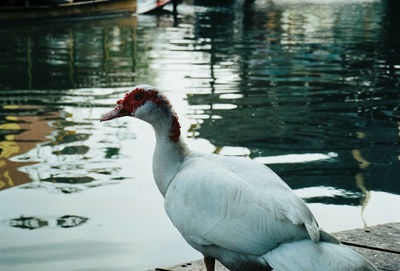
117, 112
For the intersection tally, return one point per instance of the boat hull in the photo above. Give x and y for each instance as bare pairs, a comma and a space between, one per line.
71, 10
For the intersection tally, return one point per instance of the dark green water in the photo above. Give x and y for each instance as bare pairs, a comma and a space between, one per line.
310, 88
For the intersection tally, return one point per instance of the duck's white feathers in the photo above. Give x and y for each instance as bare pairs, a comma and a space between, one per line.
316, 256
236, 204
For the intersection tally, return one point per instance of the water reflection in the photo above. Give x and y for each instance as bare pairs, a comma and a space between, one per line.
22, 127
309, 81
277, 79
32, 223
309, 89
65, 55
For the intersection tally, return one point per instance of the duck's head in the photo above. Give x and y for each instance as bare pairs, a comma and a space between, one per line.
146, 103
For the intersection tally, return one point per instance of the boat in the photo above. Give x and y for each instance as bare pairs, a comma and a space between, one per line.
36, 10
152, 6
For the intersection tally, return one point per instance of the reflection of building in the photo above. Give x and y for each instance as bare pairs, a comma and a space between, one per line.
67, 55
288, 77
278, 57
39, 67
53, 68
22, 133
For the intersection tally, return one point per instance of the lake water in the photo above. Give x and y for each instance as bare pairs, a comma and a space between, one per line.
310, 88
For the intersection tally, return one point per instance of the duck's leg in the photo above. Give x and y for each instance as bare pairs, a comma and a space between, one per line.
210, 263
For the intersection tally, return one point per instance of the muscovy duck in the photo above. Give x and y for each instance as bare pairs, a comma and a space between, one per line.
232, 209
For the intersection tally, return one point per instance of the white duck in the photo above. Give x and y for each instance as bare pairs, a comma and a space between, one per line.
232, 209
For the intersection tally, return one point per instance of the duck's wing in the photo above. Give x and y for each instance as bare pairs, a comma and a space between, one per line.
210, 203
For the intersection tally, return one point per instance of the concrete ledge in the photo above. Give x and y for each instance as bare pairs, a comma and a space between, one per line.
379, 244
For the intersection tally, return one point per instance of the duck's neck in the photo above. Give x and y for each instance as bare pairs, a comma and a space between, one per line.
169, 152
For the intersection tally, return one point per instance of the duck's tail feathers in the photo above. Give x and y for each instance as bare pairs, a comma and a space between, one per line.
307, 255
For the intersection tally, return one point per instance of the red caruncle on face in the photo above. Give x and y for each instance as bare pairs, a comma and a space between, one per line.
137, 98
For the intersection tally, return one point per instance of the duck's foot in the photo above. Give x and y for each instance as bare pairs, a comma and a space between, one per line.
210, 263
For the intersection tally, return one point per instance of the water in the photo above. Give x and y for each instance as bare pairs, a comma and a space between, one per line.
309, 88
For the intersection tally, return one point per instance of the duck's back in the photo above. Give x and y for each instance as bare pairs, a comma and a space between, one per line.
236, 204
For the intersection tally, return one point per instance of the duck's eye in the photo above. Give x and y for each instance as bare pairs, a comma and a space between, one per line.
138, 96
